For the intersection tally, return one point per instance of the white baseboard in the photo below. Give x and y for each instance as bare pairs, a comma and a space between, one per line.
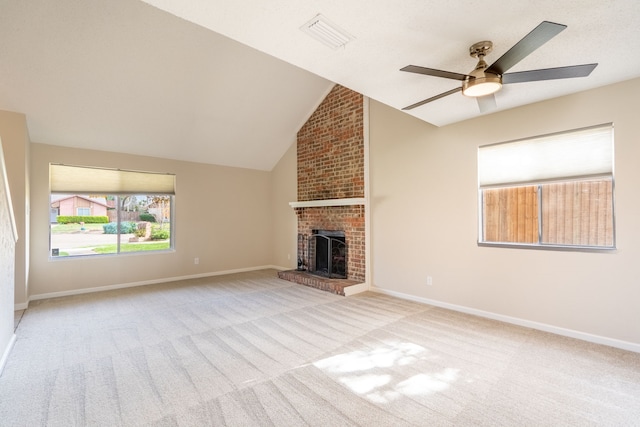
280, 268
597, 339
143, 283
20, 306
356, 289
7, 351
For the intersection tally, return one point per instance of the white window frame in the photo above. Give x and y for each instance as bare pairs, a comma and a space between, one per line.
83, 180
571, 156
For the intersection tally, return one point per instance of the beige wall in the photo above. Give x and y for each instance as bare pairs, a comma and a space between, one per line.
284, 190
423, 219
15, 140
425, 215
7, 264
222, 216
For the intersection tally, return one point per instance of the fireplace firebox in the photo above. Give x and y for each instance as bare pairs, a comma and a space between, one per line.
327, 254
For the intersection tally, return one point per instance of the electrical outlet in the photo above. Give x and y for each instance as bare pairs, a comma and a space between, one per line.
288, 256
196, 261
429, 281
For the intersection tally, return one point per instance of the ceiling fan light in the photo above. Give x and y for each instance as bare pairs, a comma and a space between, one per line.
481, 86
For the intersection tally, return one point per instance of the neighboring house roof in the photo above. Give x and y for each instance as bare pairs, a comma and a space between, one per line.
98, 200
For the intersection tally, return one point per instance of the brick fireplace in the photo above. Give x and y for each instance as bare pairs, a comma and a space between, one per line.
330, 159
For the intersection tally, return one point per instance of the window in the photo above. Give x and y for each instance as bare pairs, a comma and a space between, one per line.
549, 191
96, 211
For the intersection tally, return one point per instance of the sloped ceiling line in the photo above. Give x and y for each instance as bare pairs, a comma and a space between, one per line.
231, 83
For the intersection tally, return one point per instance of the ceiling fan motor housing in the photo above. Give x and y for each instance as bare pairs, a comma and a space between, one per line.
481, 83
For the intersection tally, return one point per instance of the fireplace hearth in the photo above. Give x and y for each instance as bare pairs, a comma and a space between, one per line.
334, 286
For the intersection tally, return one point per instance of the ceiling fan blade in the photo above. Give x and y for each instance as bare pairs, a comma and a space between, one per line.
549, 74
434, 72
433, 98
532, 41
487, 103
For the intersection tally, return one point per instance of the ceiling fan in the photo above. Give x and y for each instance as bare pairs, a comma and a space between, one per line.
485, 80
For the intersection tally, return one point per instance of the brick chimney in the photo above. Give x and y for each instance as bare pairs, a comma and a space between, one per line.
331, 169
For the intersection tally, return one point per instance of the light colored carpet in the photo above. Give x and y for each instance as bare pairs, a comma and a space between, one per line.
253, 350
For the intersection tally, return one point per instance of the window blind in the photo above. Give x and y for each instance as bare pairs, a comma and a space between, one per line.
65, 179
586, 152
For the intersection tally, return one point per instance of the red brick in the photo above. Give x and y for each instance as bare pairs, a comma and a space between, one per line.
331, 166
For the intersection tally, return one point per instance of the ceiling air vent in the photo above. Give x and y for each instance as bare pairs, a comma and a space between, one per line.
325, 31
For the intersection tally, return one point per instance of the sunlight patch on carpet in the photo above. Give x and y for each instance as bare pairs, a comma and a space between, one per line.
371, 372
400, 354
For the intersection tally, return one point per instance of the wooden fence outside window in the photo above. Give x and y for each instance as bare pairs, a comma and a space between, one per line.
576, 213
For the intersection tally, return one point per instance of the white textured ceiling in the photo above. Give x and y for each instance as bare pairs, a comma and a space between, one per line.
125, 76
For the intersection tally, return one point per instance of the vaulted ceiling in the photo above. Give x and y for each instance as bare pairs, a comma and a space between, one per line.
230, 82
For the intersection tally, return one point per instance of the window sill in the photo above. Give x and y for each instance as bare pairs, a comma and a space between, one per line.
601, 249
63, 258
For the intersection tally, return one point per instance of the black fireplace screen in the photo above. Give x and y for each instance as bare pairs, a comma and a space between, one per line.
327, 254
